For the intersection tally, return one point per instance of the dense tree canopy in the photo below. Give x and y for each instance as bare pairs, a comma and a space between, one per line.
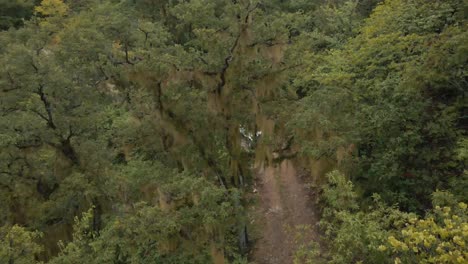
129, 129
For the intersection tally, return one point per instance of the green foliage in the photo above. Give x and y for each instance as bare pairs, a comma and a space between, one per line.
146, 233
18, 245
390, 90
338, 193
121, 119
383, 234
393, 88
354, 234
14, 12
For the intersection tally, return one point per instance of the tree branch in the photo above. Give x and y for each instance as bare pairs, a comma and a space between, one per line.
228, 59
40, 115
47, 106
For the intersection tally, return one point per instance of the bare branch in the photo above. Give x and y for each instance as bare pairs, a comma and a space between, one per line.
47, 106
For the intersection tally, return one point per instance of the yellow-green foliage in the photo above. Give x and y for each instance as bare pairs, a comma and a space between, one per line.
18, 245
441, 237
52, 8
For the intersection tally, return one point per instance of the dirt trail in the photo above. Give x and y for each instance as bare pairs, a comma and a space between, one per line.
285, 205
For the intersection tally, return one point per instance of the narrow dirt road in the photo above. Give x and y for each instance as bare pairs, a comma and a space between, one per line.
285, 208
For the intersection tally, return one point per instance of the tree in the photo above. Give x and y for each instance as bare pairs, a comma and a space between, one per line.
440, 237
18, 245
392, 99
94, 94
13, 13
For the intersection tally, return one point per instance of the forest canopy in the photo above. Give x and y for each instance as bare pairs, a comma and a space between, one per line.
132, 131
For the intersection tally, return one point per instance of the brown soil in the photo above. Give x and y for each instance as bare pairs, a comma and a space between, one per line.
284, 211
